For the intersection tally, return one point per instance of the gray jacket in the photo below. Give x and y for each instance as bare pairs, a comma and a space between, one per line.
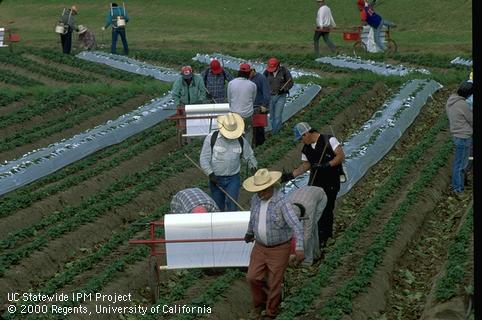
68, 19
460, 116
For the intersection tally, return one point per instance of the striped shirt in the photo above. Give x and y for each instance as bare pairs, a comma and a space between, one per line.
185, 200
281, 221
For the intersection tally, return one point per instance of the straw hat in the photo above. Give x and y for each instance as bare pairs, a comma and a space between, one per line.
262, 179
231, 125
82, 29
74, 9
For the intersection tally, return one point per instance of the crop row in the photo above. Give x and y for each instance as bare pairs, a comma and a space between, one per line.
455, 269
341, 302
56, 100
14, 237
8, 96
47, 71
85, 65
10, 77
299, 301
117, 194
327, 108
69, 119
68, 177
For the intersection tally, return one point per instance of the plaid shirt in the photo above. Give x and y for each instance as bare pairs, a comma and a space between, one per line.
281, 220
185, 200
216, 84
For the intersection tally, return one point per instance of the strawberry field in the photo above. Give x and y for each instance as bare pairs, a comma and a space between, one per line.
402, 245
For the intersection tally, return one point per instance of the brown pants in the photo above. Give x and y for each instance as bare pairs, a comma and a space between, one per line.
270, 262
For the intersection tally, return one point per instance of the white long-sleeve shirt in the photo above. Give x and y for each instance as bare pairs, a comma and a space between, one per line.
324, 19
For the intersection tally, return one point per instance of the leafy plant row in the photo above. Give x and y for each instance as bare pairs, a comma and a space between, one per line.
69, 177
16, 79
51, 102
86, 65
117, 194
300, 300
47, 71
455, 268
327, 108
69, 119
8, 96
341, 303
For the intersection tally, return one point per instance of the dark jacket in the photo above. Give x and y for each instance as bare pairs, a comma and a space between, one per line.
283, 76
328, 179
68, 19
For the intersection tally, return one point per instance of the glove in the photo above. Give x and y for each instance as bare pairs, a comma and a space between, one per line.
103, 28
213, 179
287, 176
322, 166
263, 109
249, 237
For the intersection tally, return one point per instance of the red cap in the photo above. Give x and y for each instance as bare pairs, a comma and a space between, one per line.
216, 67
186, 72
199, 209
273, 64
244, 67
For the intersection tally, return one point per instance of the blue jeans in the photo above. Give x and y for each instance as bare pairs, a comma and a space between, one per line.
377, 33
231, 185
276, 106
462, 151
122, 33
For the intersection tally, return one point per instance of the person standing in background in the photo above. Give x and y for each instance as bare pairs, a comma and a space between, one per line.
241, 95
117, 18
261, 103
68, 20
215, 79
324, 24
461, 127
280, 82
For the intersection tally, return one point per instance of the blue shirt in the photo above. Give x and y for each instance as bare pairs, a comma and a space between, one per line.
373, 19
263, 93
281, 221
111, 18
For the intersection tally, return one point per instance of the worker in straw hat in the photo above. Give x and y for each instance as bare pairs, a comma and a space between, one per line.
67, 18
220, 159
271, 225
86, 38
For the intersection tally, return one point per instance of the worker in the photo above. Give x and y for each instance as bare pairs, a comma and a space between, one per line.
220, 159
323, 155
193, 200
86, 39
261, 103
241, 95
280, 82
375, 21
308, 203
324, 24
67, 19
117, 17
271, 225
188, 88
215, 80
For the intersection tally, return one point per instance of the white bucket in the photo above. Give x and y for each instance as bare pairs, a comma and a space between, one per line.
121, 22
60, 28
